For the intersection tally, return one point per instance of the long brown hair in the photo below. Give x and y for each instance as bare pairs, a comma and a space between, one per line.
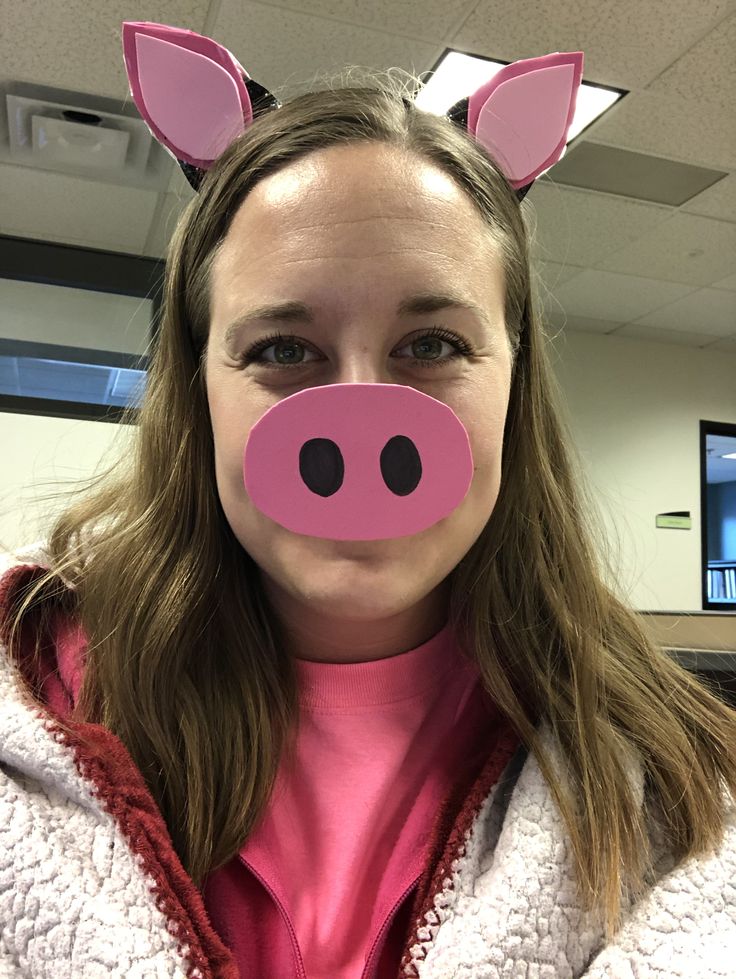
187, 665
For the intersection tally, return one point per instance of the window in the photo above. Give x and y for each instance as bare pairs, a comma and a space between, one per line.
74, 325
718, 514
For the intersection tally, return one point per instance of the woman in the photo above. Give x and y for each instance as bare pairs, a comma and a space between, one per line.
329, 681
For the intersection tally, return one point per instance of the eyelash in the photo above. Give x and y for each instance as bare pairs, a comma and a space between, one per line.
463, 348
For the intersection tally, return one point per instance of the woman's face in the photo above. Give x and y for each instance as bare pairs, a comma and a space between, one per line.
351, 231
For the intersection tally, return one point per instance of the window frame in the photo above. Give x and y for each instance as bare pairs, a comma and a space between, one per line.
119, 273
709, 428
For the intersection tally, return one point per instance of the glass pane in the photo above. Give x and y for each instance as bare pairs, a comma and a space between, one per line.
721, 518
69, 344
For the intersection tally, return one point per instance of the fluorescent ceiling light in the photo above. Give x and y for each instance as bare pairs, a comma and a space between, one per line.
458, 75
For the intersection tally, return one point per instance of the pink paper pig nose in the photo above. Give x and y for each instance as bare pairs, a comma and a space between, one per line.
358, 461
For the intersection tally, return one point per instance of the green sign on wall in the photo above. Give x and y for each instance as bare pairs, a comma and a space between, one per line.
679, 520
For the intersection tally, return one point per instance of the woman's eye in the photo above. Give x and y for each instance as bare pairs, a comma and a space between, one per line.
426, 350
289, 349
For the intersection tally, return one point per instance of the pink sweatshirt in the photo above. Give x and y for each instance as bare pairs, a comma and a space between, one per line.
325, 885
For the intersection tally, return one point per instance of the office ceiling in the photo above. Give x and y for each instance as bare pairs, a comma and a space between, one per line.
609, 262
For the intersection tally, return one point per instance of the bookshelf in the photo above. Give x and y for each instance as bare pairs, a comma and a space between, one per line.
722, 581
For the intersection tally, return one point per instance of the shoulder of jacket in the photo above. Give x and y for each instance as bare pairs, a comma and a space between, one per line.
34, 554
18, 570
517, 878
81, 839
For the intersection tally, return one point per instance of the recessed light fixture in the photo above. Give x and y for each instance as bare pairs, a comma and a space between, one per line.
457, 75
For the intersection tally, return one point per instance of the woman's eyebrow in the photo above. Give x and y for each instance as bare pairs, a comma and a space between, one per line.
294, 311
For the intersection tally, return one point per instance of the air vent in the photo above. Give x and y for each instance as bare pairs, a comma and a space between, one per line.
627, 174
49, 131
66, 144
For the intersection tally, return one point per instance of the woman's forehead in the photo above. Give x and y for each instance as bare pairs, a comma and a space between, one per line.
328, 230
334, 275
298, 232
346, 186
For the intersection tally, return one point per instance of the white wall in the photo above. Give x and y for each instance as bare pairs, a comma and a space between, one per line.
49, 313
633, 406
38, 450
34, 449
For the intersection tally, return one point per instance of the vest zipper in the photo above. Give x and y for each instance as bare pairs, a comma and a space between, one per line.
370, 966
301, 974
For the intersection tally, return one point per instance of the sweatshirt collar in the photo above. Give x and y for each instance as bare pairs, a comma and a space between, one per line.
410, 674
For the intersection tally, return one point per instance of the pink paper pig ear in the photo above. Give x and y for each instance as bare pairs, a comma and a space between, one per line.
523, 114
194, 95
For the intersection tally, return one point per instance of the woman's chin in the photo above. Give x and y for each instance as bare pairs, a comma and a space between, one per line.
352, 602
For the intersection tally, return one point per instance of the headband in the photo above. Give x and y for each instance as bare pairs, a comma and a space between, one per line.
347, 461
197, 98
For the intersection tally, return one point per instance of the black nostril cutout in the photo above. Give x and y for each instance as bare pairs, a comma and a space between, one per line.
401, 466
321, 466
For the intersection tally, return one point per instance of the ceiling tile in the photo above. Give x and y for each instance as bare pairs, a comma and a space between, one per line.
667, 125
78, 44
178, 184
712, 310
638, 331
581, 324
59, 207
639, 176
686, 248
163, 223
581, 227
706, 71
718, 201
427, 19
288, 50
553, 275
727, 345
620, 298
626, 44
728, 283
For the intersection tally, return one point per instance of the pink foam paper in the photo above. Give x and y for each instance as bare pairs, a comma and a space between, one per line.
188, 88
522, 115
359, 420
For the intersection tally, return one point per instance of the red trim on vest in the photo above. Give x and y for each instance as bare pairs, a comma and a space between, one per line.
451, 827
20, 576
104, 761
